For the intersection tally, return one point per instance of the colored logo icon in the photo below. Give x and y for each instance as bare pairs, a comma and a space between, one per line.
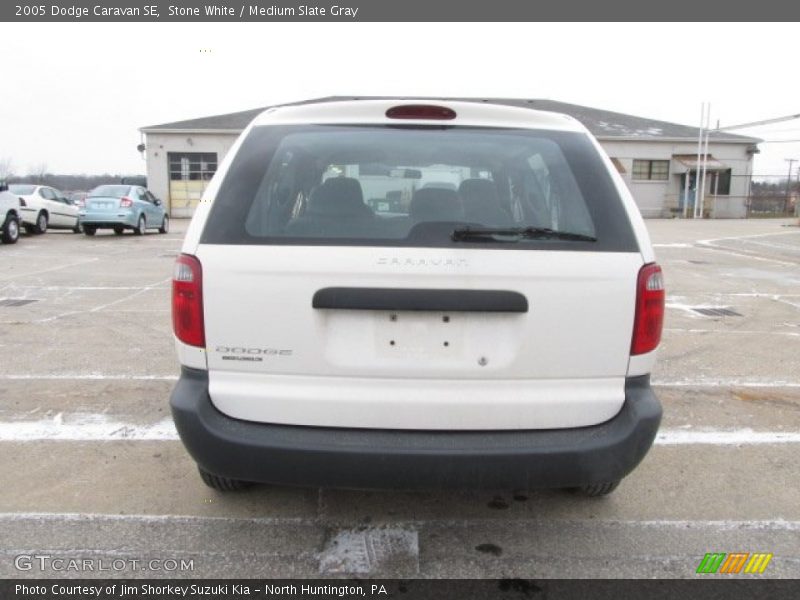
734, 563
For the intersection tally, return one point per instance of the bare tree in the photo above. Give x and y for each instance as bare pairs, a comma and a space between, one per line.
38, 172
6, 167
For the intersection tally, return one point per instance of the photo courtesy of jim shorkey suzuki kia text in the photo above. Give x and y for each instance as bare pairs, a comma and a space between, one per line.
209, 10
176, 590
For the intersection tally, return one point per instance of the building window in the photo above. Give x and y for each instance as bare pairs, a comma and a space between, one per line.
722, 187
650, 170
192, 166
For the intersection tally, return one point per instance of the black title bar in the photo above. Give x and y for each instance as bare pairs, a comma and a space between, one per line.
701, 588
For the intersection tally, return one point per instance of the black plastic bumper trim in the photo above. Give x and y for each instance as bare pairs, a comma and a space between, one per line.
401, 459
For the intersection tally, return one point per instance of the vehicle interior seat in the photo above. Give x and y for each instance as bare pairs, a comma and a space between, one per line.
436, 204
335, 208
482, 203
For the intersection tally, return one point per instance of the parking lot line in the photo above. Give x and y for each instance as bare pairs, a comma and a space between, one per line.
725, 383
747, 237
101, 307
716, 248
733, 331
80, 288
51, 269
91, 427
87, 376
143, 518
717, 524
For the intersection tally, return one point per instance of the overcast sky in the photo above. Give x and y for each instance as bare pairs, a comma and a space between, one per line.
74, 94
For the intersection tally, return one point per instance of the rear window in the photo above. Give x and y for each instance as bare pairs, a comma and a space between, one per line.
109, 191
22, 190
413, 186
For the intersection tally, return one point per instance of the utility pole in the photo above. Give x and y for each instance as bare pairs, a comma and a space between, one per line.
696, 203
791, 162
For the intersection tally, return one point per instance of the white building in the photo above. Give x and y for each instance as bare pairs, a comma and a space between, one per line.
652, 156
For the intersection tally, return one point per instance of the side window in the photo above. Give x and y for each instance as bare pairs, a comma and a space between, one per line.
150, 197
142, 195
47, 194
282, 195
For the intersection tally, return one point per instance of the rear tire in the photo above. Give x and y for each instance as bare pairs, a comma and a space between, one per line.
10, 230
595, 490
222, 484
89, 230
164, 225
141, 226
41, 223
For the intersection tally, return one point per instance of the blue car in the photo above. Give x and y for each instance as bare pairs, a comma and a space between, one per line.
120, 207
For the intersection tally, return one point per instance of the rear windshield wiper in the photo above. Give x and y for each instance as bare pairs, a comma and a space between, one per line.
468, 233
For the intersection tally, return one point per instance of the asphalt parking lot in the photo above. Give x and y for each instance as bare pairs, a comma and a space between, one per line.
92, 469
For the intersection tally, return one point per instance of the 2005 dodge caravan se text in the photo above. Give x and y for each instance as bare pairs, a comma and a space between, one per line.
409, 294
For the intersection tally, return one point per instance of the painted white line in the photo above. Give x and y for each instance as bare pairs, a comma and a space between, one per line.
716, 248
85, 428
788, 302
672, 301
774, 245
86, 377
101, 307
51, 269
673, 245
140, 518
725, 383
142, 310
754, 295
746, 237
734, 331
717, 525
689, 308
715, 437
81, 288
102, 428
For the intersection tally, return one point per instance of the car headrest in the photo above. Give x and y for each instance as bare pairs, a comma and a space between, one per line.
436, 204
479, 192
338, 197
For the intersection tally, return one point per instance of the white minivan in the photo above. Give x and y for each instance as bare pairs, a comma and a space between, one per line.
416, 294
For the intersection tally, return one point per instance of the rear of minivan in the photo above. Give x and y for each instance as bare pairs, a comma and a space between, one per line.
405, 294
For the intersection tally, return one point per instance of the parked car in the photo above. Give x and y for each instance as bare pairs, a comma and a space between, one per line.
45, 208
9, 215
499, 333
77, 198
120, 207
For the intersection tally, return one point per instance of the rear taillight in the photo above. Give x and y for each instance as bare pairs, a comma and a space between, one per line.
649, 319
125, 202
187, 301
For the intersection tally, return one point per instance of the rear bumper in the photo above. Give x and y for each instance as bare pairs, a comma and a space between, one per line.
108, 220
402, 459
